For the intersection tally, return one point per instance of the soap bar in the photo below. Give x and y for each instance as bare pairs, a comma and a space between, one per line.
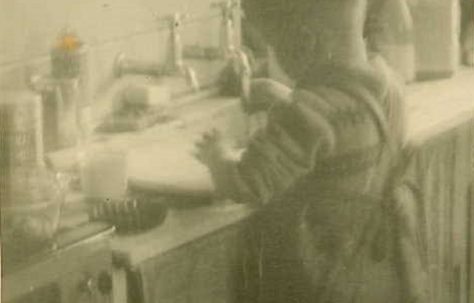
137, 105
143, 96
21, 148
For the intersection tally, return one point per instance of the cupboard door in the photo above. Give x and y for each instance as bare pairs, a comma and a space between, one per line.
90, 283
204, 271
213, 278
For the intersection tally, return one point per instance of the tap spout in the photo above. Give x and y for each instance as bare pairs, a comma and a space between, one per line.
124, 65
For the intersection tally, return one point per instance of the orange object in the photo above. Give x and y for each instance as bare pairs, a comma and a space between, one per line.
68, 56
69, 42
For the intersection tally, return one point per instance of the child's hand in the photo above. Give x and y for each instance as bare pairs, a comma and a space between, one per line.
210, 148
265, 93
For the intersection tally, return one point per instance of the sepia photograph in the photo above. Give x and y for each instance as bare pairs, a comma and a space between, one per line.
237, 151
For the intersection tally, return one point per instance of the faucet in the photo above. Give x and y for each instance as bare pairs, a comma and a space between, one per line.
174, 60
227, 39
230, 52
174, 65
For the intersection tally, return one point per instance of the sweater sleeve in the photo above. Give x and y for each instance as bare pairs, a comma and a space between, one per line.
296, 135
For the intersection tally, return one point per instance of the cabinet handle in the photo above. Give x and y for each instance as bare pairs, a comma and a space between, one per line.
104, 283
87, 285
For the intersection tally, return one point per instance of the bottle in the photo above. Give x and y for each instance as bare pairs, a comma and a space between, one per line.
69, 69
21, 147
394, 37
437, 26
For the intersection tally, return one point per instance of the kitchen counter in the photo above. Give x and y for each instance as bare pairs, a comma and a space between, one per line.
433, 108
183, 249
180, 227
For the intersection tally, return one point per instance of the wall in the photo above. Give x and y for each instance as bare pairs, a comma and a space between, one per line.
28, 28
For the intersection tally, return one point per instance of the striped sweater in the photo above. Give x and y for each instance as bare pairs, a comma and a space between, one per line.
319, 169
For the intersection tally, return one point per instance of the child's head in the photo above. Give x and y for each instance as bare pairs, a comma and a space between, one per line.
305, 32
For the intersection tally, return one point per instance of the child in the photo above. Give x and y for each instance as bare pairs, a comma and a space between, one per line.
320, 168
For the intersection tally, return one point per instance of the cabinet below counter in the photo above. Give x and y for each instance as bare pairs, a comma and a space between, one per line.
432, 109
197, 255
181, 227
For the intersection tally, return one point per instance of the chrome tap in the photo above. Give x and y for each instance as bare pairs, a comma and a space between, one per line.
174, 56
174, 65
227, 39
124, 65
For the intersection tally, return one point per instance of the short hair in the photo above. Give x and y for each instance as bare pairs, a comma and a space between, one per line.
286, 25
268, 14
281, 23
261, 12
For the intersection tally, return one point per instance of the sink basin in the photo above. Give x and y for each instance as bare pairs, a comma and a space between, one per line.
165, 163
160, 158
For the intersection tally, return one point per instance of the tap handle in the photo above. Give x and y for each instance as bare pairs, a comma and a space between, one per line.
228, 9
173, 21
124, 65
227, 39
175, 52
226, 6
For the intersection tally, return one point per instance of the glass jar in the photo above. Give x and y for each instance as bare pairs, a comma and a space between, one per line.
31, 224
